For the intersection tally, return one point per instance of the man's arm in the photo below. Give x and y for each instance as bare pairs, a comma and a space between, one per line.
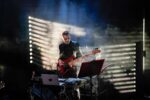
78, 53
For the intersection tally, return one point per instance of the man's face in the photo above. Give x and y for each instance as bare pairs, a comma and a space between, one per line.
66, 39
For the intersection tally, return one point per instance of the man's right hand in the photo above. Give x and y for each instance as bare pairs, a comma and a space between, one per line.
60, 62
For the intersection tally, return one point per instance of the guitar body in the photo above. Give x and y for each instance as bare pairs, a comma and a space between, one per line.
67, 69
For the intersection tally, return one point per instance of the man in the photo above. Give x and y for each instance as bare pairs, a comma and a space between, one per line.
69, 50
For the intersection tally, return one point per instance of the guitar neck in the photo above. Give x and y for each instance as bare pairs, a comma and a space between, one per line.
80, 58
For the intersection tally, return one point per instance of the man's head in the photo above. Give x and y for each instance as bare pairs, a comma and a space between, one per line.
66, 37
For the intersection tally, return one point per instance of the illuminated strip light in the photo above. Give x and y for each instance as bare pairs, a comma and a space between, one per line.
41, 58
114, 67
119, 54
121, 67
120, 58
30, 53
38, 28
37, 43
37, 46
126, 61
46, 54
45, 50
31, 61
121, 70
125, 83
120, 45
38, 50
127, 91
44, 59
118, 75
125, 87
38, 32
42, 62
37, 24
41, 54
35, 36
119, 50
38, 56
31, 57
37, 20
122, 79
41, 45
38, 64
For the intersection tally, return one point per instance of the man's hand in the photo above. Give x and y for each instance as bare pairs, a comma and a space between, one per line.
60, 62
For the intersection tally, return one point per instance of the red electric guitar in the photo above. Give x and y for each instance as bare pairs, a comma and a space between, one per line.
71, 61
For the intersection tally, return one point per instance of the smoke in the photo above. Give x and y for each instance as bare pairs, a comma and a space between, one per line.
86, 15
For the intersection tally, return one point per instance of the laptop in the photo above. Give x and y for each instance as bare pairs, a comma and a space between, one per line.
91, 68
49, 79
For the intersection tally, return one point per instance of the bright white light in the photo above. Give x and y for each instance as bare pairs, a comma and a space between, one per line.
31, 49
31, 57
38, 20
31, 61
40, 38
30, 41
123, 79
120, 45
30, 45
29, 17
37, 24
127, 91
30, 25
30, 33
30, 29
120, 58
38, 28
126, 87
31, 53
125, 83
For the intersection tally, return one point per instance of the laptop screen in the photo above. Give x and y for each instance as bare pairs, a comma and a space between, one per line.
49, 79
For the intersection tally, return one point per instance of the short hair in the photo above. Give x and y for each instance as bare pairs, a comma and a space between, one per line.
65, 33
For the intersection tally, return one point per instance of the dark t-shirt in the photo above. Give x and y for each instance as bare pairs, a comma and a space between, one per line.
67, 51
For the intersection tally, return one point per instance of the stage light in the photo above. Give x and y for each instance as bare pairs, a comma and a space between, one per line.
31, 53
30, 42
126, 87
37, 24
128, 91
30, 29
30, 45
31, 61
29, 17
38, 28
30, 25
30, 49
38, 32
31, 57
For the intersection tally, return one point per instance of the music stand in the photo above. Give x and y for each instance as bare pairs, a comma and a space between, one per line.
90, 69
